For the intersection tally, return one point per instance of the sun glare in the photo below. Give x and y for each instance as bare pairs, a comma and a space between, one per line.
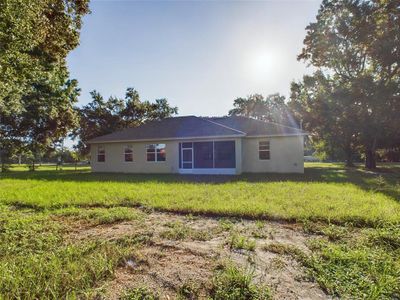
262, 64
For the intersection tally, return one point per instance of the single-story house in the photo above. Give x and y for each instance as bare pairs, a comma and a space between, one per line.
198, 145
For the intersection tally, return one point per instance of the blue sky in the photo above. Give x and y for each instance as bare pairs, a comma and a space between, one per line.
198, 55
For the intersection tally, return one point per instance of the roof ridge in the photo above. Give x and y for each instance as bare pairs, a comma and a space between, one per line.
222, 125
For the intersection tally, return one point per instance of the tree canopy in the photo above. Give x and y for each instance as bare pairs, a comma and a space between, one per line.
102, 116
35, 38
271, 108
353, 100
37, 97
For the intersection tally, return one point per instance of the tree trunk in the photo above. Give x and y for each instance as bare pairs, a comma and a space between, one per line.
370, 159
331, 154
349, 155
370, 155
349, 159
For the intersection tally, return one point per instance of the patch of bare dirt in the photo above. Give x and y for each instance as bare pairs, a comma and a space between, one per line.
165, 265
163, 269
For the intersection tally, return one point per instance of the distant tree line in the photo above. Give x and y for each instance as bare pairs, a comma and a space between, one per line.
271, 108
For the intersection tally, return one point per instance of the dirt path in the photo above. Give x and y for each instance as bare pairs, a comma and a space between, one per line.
184, 251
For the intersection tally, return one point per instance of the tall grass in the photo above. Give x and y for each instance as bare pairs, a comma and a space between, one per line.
366, 267
36, 262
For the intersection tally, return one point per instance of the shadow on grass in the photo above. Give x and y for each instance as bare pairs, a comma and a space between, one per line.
385, 180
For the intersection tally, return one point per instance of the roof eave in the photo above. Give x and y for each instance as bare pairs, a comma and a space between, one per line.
276, 135
167, 139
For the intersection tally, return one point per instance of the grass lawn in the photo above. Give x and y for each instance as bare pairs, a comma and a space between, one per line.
351, 219
326, 192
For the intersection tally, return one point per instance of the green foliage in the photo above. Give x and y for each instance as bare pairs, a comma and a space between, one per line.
271, 108
36, 262
35, 39
351, 101
36, 96
226, 224
325, 150
179, 231
237, 241
260, 224
101, 215
327, 113
259, 232
101, 117
357, 269
387, 237
141, 293
189, 290
285, 249
363, 267
176, 231
232, 283
4, 167
331, 231
23, 231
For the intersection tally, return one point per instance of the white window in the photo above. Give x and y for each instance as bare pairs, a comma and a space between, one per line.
128, 153
155, 152
263, 150
101, 154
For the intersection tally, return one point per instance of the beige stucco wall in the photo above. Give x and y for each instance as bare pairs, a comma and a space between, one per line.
286, 155
115, 157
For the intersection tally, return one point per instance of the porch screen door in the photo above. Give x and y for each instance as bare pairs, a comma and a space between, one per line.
187, 155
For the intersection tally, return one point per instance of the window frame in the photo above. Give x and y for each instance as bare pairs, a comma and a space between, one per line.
103, 149
265, 149
127, 153
156, 150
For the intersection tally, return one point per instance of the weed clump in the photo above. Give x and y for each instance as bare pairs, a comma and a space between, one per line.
180, 231
387, 237
102, 215
140, 293
284, 249
189, 290
238, 242
232, 283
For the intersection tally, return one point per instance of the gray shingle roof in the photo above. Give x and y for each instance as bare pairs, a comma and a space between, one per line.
253, 127
197, 127
170, 128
